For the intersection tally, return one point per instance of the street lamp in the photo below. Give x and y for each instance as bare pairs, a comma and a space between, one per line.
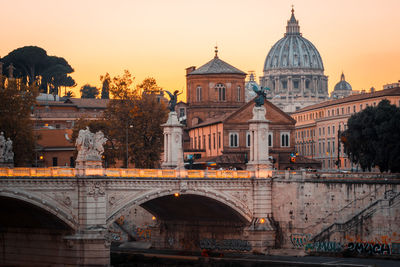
127, 154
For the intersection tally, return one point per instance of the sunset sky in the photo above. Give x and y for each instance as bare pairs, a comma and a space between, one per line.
161, 38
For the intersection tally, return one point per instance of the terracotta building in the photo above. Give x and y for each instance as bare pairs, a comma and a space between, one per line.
317, 126
218, 115
53, 122
213, 90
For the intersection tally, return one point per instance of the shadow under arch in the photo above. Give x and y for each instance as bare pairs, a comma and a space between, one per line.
18, 208
199, 204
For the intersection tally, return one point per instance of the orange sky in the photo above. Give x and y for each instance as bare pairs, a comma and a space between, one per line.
161, 38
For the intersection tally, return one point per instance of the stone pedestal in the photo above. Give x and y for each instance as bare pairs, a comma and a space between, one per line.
82, 166
258, 128
173, 152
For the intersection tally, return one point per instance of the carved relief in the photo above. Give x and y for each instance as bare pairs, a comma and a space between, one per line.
96, 189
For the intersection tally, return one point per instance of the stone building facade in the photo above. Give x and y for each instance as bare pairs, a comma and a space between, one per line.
317, 126
294, 71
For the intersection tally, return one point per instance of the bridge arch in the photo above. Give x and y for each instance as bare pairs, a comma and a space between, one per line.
226, 200
45, 205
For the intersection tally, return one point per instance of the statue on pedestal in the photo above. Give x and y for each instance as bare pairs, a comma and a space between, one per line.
90, 145
6, 150
261, 94
9, 154
2, 146
173, 99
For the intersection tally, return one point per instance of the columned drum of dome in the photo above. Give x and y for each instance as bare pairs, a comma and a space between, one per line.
294, 71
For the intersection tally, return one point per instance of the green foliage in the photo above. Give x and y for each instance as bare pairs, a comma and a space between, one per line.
33, 64
105, 90
88, 91
16, 103
139, 116
373, 137
110, 151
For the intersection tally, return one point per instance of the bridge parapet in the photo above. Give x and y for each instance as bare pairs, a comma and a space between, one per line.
145, 173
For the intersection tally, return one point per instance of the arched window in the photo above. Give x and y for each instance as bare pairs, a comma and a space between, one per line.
221, 91
248, 139
285, 139
233, 140
198, 94
270, 140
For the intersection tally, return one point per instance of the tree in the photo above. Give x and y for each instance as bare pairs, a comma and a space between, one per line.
17, 101
373, 137
32, 64
135, 119
88, 91
105, 90
69, 94
149, 86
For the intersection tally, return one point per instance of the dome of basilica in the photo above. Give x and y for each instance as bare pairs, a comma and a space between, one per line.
294, 72
342, 85
293, 51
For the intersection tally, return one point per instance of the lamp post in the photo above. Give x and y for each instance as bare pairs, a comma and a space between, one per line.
127, 154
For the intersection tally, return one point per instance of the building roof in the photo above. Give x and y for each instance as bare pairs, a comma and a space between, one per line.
224, 117
352, 98
88, 102
54, 138
216, 66
293, 51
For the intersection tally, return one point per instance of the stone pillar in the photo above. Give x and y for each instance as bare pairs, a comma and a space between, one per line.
88, 245
276, 80
173, 152
258, 128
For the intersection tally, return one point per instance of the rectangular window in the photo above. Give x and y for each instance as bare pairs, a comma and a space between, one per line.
248, 139
319, 129
329, 130
333, 147
354, 108
333, 129
214, 145
270, 140
239, 92
195, 142
199, 142
319, 148
323, 131
204, 142
219, 140
342, 111
209, 141
181, 112
55, 161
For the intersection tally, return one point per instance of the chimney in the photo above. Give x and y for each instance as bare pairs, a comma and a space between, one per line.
190, 69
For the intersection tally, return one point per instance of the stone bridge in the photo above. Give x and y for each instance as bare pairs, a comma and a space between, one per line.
61, 216
70, 212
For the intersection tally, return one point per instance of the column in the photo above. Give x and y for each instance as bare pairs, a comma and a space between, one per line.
173, 145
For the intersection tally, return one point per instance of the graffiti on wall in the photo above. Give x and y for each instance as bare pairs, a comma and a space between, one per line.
299, 240
325, 246
381, 245
226, 244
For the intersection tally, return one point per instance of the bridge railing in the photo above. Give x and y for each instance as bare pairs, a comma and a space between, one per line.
117, 172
